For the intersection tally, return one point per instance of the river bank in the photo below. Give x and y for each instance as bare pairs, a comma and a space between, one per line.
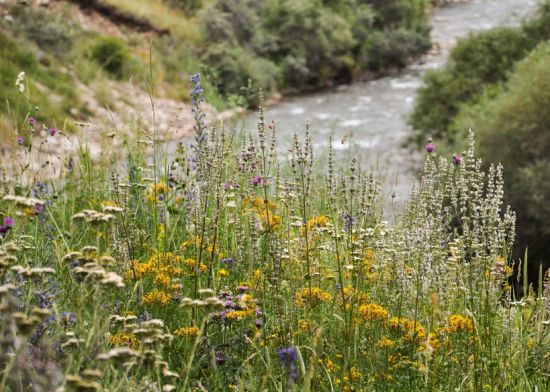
372, 117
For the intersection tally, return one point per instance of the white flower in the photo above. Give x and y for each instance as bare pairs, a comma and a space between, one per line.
19, 82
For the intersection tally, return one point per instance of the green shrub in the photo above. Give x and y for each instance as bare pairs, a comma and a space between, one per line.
111, 54
477, 62
514, 129
394, 48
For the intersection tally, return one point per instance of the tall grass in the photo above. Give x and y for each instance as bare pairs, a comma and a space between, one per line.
231, 268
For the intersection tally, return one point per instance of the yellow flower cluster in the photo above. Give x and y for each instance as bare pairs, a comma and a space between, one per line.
157, 297
187, 332
160, 188
270, 220
122, 339
165, 263
311, 297
351, 295
385, 343
459, 323
411, 329
353, 375
372, 312
265, 210
317, 222
239, 314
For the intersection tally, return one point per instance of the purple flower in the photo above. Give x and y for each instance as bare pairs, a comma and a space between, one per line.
32, 121
19, 140
4, 230
430, 147
52, 131
8, 221
457, 159
256, 180
229, 261
288, 356
38, 209
258, 323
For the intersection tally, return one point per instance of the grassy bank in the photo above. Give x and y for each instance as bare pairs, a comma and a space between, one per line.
232, 269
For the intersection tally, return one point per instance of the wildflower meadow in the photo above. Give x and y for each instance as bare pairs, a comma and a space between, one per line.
230, 267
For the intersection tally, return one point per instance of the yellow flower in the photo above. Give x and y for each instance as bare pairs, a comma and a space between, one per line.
458, 323
160, 188
157, 297
222, 273
187, 332
412, 330
312, 296
385, 343
372, 312
162, 279
318, 222
122, 339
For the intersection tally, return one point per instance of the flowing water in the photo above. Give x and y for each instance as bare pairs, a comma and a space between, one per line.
372, 116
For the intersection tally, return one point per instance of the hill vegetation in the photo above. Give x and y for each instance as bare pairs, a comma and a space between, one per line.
239, 45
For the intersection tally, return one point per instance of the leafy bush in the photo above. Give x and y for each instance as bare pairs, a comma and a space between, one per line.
317, 43
394, 48
514, 129
479, 60
111, 54
477, 63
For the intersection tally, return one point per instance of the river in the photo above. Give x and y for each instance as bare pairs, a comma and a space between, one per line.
372, 116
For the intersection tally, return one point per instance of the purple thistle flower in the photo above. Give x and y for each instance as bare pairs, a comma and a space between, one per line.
258, 323
32, 121
8, 221
52, 131
19, 140
430, 147
256, 180
457, 159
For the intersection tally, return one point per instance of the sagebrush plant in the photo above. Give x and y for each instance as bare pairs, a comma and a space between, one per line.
229, 268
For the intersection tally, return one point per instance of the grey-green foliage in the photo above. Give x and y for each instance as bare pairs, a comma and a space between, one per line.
514, 129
